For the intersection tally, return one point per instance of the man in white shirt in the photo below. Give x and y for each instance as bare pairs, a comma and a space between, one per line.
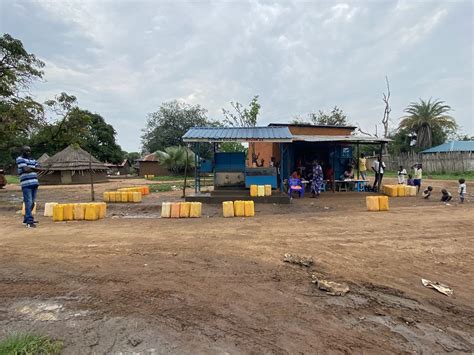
378, 167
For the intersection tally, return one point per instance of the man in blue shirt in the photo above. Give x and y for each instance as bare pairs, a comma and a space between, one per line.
27, 169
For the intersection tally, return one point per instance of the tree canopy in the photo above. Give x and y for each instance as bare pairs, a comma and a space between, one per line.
242, 116
166, 127
49, 127
19, 113
430, 121
336, 117
88, 130
18, 68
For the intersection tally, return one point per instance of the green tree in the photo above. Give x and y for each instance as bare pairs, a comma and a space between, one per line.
336, 117
174, 158
242, 117
430, 121
77, 126
167, 126
229, 147
20, 115
18, 68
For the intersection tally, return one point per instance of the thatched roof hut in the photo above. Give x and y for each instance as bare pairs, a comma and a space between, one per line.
73, 165
43, 158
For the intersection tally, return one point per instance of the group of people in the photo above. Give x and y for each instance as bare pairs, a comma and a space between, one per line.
446, 196
316, 177
410, 181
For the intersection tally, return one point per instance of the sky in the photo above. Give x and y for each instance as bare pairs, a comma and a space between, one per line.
123, 58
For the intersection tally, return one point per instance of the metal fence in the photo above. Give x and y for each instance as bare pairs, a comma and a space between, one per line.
432, 162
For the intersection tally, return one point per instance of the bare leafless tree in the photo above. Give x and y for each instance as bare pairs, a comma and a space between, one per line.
388, 109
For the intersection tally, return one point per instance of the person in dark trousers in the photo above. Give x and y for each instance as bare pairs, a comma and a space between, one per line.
378, 167
27, 169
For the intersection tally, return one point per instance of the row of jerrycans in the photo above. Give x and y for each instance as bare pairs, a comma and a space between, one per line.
238, 208
122, 196
377, 203
260, 190
400, 190
181, 209
143, 189
75, 211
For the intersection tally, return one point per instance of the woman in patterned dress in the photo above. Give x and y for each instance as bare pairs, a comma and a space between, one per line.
317, 179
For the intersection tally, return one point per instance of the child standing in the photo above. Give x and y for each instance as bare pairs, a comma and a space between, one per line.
462, 189
418, 176
401, 175
410, 181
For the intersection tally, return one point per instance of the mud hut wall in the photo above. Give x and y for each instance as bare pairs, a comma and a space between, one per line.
152, 168
79, 177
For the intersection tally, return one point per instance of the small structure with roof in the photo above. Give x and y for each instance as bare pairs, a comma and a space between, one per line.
73, 165
453, 156
42, 158
122, 168
149, 165
452, 146
274, 152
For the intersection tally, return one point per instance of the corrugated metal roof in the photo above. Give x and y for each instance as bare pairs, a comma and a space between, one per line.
243, 134
348, 138
453, 146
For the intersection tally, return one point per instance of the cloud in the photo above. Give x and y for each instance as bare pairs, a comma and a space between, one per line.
123, 59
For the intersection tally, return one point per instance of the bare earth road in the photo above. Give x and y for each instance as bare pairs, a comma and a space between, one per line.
137, 283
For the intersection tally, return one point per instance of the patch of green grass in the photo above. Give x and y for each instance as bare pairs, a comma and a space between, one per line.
13, 179
27, 344
438, 176
163, 187
168, 178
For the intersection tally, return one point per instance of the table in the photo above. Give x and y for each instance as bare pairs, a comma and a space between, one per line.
357, 185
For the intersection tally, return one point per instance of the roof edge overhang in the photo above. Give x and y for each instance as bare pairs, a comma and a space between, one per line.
309, 125
239, 140
340, 139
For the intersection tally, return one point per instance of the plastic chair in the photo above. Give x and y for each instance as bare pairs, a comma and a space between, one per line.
295, 185
323, 186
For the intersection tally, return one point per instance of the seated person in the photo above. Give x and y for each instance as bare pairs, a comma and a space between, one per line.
329, 174
446, 197
348, 173
295, 185
427, 192
296, 175
410, 181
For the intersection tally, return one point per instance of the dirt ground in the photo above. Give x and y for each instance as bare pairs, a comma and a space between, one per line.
134, 283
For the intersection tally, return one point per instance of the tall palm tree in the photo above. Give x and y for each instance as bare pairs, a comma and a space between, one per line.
424, 117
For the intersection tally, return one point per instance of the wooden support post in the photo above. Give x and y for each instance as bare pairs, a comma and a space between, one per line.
185, 171
334, 168
92, 179
357, 161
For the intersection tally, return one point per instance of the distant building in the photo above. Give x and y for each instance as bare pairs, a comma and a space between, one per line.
453, 146
149, 165
119, 169
72, 165
454, 156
